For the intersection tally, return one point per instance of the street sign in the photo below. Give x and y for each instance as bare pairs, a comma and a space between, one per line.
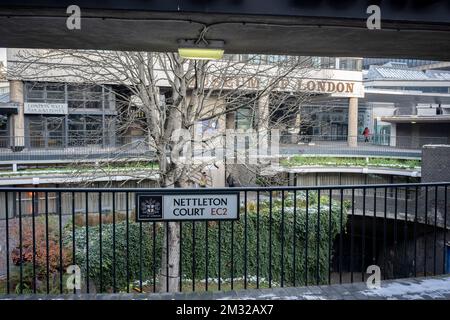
197, 205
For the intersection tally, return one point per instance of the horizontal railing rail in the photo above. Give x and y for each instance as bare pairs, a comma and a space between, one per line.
284, 236
285, 136
56, 149
240, 189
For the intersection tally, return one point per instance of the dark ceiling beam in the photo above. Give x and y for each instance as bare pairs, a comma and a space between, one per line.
410, 28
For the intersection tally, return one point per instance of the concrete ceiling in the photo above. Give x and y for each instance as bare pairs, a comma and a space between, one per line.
320, 27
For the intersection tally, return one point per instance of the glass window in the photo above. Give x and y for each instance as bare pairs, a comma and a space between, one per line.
85, 130
353, 64
85, 97
55, 96
42, 92
46, 132
244, 118
328, 63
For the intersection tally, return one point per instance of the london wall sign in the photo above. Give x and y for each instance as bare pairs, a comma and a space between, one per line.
45, 108
196, 205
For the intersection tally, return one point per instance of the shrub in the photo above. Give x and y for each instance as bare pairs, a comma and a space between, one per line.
40, 254
273, 231
41, 282
135, 263
93, 218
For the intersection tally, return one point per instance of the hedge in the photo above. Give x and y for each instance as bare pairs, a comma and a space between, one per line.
262, 225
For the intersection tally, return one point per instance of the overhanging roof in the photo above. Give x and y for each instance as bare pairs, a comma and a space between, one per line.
417, 119
8, 108
415, 97
413, 29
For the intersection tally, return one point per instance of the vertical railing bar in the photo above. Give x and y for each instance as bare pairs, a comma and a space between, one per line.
100, 239
232, 255
318, 239
363, 236
193, 255
7, 242
114, 240
341, 239
219, 253
245, 239
374, 227
206, 255
282, 239
73, 234
415, 230
33, 226
153, 255
425, 233
352, 236
294, 240
306, 236
140, 256
395, 229
435, 229
20, 245
405, 231
60, 244
330, 207
257, 242
270, 240
385, 234
167, 256
180, 267
127, 235
445, 226
86, 199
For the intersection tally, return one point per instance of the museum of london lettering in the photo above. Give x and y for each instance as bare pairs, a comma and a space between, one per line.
307, 85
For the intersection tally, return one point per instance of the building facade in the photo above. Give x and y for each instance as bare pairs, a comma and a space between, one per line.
403, 109
63, 114
410, 107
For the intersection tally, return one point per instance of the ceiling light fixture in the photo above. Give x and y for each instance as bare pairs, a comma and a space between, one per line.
212, 50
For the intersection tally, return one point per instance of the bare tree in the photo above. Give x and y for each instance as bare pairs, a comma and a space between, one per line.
178, 105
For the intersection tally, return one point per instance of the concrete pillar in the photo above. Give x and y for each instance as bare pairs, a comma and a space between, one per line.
352, 138
18, 120
217, 174
393, 136
263, 124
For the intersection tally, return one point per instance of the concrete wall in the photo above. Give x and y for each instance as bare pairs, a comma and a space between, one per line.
409, 135
399, 249
436, 163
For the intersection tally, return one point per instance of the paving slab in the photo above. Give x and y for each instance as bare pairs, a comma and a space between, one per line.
429, 288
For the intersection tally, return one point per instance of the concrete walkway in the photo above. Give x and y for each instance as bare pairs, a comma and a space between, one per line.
403, 289
340, 148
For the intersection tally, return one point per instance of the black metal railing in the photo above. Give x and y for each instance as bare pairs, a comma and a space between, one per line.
285, 236
92, 147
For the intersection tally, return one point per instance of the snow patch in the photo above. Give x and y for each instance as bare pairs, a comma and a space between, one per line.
434, 288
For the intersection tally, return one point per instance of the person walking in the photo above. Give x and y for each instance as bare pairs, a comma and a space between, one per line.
366, 134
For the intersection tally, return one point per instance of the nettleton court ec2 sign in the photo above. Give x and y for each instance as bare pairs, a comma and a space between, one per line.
198, 205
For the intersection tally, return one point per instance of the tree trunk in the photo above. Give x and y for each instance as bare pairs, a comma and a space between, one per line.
169, 280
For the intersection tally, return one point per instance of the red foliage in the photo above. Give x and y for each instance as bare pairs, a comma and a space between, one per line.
41, 249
